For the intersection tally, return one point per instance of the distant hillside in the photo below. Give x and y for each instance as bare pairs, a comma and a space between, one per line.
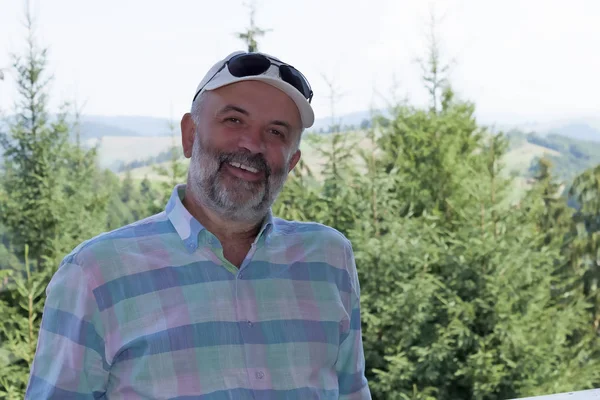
92, 126
569, 157
96, 126
573, 145
310, 156
96, 130
579, 131
348, 121
115, 151
584, 128
520, 157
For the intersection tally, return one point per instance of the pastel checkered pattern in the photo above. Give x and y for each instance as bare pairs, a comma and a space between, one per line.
154, 311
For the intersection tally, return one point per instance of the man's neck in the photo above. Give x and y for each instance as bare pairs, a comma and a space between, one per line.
226, 230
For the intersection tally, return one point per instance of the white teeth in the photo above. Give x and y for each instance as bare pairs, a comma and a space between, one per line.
242, 166
253, 170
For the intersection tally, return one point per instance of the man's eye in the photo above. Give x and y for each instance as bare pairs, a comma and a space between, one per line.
276, 132
233, 119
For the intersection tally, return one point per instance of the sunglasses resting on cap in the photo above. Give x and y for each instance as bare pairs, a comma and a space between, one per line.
241, 66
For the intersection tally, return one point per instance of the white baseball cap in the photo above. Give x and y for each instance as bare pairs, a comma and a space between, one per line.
219, 76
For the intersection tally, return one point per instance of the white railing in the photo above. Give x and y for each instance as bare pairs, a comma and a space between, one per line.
593, 394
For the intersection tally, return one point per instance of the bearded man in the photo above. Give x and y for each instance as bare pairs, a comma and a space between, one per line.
215, 297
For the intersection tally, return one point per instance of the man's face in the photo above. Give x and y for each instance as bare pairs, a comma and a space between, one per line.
242, 148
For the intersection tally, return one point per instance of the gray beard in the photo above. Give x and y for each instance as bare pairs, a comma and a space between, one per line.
245, 201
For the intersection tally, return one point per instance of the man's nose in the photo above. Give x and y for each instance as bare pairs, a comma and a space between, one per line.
252, 140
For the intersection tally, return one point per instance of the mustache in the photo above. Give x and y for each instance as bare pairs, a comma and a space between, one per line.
253, 160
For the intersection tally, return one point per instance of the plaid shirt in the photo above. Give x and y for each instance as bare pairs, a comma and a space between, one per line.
154, 311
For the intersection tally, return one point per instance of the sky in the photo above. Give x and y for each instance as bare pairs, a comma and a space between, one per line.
515, 59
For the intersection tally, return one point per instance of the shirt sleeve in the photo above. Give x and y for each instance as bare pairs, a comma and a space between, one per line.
69, 362
350, 365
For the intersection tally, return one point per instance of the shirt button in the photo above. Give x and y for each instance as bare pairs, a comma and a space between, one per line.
250, 324
260, 375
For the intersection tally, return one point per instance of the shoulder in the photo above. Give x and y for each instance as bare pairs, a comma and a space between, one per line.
319, 242
107, 248
154, 225
312, 231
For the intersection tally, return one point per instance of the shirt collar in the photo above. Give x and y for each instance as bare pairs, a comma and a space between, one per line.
188, 227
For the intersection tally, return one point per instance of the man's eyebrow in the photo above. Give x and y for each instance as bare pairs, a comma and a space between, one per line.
286, 125
231, 107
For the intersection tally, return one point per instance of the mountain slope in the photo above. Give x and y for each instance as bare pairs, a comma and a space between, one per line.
569, 157
573, 145
136, 125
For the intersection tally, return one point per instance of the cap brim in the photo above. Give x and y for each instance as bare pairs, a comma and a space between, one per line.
306, 112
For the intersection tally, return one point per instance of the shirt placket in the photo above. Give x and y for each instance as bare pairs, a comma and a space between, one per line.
247, 314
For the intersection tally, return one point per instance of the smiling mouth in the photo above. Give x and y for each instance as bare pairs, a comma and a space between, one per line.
245, 172
244, 167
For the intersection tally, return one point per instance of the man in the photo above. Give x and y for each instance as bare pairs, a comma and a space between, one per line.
214, 298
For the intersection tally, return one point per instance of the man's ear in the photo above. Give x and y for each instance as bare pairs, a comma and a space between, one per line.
188, 129
294, 160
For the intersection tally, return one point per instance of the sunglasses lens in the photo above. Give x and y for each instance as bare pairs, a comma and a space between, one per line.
294, 78
248, 64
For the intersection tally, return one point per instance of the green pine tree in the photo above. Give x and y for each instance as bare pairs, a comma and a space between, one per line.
85, 207
48, 204
170, 174
119, 213
253, 32
21, 307
300, 198
585, 250
33, 160
459, 285
556, 215
460, 303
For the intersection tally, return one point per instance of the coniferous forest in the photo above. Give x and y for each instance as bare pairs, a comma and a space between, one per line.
466, 292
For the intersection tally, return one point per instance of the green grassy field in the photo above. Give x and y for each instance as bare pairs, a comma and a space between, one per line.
519, 159
115, 149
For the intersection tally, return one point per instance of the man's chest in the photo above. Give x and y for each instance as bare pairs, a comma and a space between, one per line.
205, 329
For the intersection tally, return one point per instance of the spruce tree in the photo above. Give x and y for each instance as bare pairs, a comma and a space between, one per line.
48, 204
118, 213
460, 293
336, 152
300, 198
461, 303
84, 208
172, 173
33, 159
585, 249
253, 32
